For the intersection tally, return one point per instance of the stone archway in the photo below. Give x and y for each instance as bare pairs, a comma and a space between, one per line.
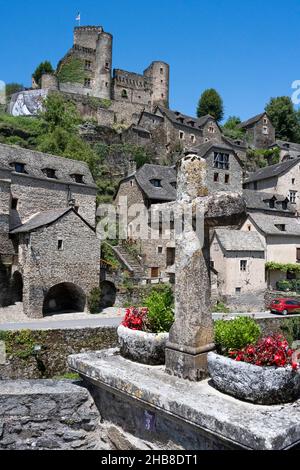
108, 294
64, 298
17, 287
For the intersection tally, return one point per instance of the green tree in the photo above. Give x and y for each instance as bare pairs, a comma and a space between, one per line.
59, 112
60, 136
232, 122
231, 129
211, 103
44, 67
284, 118
11, 88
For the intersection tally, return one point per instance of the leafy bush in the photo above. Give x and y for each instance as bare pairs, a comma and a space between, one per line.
271, 351
220, 307
284, 285
72, 71
160, 304
94, 300
235, 334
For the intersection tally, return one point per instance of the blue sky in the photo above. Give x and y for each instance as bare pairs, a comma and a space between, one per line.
246, 49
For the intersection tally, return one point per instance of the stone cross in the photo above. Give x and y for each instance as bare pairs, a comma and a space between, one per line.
191, 336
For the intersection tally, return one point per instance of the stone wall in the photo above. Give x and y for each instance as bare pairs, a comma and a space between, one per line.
56, 346
46, 414
36, 195
75, 265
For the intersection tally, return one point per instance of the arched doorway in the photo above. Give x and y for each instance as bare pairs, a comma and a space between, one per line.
64, 298
17, 287
108, 294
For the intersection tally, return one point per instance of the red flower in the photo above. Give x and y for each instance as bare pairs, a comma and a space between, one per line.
271, 351
135, 318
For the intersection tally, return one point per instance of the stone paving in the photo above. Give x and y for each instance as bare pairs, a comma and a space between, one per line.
15, 314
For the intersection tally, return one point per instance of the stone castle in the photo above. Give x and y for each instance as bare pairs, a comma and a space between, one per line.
86, 72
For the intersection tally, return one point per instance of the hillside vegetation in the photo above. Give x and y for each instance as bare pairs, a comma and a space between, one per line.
56, 131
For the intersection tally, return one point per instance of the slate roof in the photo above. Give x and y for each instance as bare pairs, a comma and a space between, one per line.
41, 219
284, 145
36, 162
139, 129
251, 121
259, 200
267, 224
202, 150
165, 174
178, 118
237, 240
272, 170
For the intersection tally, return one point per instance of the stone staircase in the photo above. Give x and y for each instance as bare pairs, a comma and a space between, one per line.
129, 260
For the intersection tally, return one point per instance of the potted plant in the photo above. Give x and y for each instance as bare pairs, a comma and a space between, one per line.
144, 332
263, 371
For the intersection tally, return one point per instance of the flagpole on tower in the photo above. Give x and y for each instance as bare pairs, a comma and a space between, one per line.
78, 18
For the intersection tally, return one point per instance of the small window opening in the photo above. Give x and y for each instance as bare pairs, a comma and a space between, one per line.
14, 203
60, 245
243, 265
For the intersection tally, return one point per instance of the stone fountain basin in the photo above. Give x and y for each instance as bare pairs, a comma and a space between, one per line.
260, 385
139, 346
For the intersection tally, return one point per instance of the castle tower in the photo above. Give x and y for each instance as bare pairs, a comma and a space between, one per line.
159, 72
103, 67
87, 36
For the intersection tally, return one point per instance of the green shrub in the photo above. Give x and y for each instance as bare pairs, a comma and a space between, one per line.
94, 300
160, 303
284, 286
220, 307
235, 334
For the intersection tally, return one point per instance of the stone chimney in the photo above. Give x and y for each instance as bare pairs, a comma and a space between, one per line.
131, 168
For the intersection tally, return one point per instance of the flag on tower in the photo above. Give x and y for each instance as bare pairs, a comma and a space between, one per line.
78, 17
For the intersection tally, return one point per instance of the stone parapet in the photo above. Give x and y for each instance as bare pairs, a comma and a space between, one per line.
169, 412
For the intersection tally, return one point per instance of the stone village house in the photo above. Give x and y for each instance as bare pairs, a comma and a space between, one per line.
174, 131
156, 184
282, 178
238, 256
288, 150
48, 247
260, 132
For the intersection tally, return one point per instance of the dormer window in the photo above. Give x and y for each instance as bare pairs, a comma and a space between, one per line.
19, 167
78, 178
272, 203
281, 227
156, 183
49, 172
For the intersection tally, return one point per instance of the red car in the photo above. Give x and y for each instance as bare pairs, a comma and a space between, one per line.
285, 306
